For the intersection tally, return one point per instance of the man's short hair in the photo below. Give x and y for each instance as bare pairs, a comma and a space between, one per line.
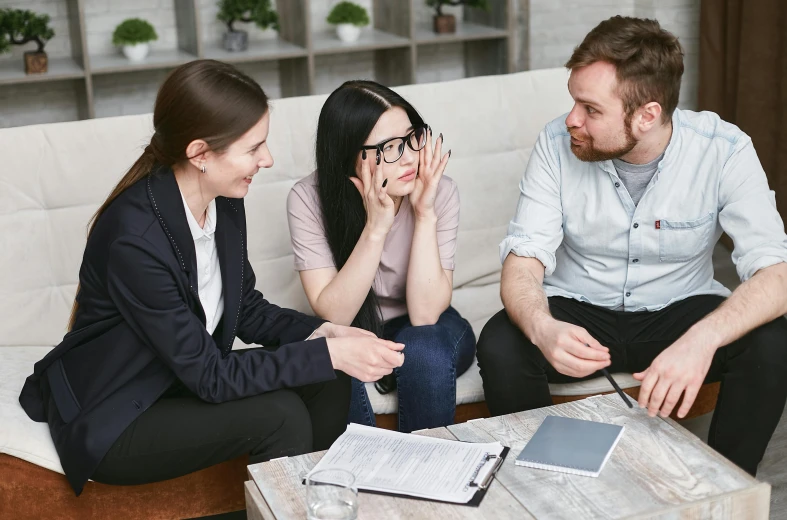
648, 60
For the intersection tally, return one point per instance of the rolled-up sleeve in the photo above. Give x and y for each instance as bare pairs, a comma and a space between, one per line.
747, 212
536, 230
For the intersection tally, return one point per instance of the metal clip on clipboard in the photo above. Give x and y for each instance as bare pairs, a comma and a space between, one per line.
486, 471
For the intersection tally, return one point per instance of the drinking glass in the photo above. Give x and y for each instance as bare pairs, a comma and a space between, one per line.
331, 495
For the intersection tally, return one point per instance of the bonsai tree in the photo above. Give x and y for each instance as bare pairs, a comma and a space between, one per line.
350, 13
133, 31
257, 11
19, 27
438, 4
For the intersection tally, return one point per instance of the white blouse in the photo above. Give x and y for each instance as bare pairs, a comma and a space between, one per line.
208, 270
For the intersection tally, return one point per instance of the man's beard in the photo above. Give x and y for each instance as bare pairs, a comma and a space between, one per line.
588, 153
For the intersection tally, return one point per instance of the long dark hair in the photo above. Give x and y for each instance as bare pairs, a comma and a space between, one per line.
346, 120
203, 99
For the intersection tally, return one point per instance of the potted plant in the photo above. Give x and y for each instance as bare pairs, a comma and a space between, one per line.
348, 19
446, 23
134, 35
19, 27
258, 11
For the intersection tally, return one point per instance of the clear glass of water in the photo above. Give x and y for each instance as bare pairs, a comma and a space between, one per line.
331, 495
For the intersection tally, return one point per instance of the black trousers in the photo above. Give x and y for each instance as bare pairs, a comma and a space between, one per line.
180, 433
752, 370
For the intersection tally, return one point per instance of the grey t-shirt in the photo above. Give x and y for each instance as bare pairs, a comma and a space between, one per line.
636, 177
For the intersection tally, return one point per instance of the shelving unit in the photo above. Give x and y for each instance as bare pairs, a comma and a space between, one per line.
394, 41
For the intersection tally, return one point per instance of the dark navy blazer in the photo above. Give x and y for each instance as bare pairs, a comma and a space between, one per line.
140, 326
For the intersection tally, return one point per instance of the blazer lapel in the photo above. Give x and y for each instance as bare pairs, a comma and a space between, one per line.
231, 250
167, 203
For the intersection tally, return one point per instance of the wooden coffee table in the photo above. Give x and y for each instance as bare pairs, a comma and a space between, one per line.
658, 470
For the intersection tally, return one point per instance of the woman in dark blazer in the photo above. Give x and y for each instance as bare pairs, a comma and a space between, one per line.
146, 386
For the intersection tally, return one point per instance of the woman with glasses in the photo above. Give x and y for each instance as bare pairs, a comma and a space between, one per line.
374, 235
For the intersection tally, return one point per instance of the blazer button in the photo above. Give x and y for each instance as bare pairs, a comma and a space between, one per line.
617, 185
636, 226
628, 294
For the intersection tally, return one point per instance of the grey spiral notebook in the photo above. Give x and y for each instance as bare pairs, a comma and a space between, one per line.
571, 446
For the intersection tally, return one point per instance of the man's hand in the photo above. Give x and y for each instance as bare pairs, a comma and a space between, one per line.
680, 368
571, 349
331, 330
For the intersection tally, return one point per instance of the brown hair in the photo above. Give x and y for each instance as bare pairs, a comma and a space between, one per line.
648, 60
203, 99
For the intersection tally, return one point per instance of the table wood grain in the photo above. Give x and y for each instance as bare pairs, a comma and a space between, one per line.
658, 470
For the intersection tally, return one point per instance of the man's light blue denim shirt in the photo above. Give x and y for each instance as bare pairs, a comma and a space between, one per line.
578, 219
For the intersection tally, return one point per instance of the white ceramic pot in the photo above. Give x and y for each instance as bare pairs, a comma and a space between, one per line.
136, 52
348, 32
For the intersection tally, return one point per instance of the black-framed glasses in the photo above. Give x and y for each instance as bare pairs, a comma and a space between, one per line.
392, 149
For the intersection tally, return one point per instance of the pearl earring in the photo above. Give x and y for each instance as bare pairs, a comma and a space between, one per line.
203, 168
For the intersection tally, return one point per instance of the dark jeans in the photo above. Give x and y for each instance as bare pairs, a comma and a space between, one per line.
180, 433
752, 370
434, 356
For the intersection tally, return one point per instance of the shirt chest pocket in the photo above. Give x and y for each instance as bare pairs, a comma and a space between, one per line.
680, 241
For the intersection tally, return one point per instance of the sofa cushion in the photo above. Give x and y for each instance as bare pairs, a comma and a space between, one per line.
19, 436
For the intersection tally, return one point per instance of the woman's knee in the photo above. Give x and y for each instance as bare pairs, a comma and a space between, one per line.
427, 344
283, 426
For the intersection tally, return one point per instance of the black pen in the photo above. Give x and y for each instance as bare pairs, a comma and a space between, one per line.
615, 385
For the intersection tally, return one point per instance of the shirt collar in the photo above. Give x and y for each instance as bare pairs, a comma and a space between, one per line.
198, 232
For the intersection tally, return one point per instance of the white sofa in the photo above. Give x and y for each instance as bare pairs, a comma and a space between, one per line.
53, 177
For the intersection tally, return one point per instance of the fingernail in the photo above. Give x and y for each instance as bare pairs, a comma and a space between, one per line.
363, 155
430, 130
385, 182
449, 153
440, 136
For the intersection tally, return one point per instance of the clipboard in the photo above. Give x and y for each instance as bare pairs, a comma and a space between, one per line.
481, 479
484, 477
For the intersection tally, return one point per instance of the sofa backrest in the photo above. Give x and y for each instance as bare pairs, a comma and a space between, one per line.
53, 177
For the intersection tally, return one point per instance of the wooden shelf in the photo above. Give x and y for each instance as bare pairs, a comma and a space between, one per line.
370, 40
265, 50
465, 31
298, 52
13, 71
115, 63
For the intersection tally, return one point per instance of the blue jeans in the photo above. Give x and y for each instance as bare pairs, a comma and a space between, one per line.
434, 356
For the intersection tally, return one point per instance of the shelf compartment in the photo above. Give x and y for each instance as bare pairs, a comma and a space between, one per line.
261, 50
370, 39
13, 71
113, 63
465, 31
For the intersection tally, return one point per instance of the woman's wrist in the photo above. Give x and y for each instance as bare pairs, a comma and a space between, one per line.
426, 216
375, 234
332, 352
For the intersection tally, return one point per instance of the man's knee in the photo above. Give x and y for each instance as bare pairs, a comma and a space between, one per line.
498, 335
767, 347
